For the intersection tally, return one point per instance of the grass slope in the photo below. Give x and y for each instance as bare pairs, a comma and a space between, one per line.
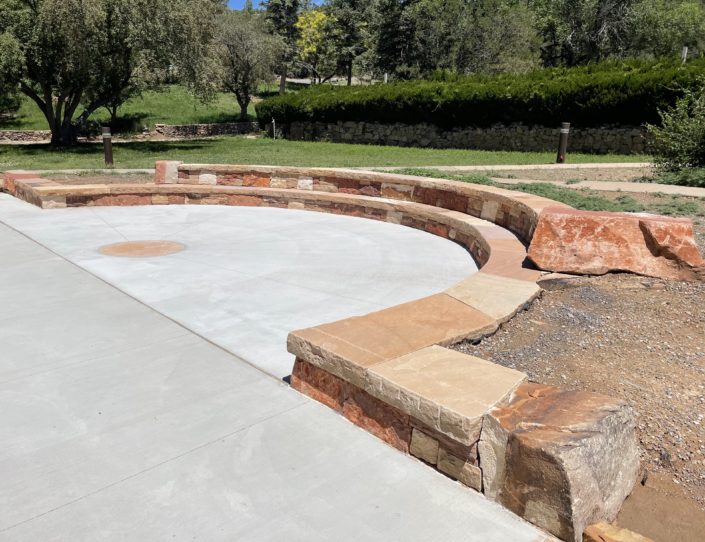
241, 150
583, 199
173, 106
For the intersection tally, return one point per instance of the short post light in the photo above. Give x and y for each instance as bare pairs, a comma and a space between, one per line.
563, 143
108, 146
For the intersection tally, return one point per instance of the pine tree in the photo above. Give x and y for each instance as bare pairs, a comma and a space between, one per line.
282, 16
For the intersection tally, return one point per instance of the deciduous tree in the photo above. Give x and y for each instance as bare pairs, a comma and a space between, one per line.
94, 53
314, 47
248, 55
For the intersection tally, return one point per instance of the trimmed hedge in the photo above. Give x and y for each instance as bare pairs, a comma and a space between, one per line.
620, 93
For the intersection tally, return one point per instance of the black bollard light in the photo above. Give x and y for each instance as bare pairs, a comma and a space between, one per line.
563, 143
108, 146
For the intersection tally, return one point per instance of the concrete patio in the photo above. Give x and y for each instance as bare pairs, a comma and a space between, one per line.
130, 406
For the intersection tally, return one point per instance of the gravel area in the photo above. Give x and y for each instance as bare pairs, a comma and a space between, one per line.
622, 335
568, 174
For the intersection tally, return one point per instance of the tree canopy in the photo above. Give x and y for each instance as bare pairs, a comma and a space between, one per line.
72, 57
247, 53
71, 54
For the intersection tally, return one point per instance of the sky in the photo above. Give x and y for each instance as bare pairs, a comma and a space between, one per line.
237, 4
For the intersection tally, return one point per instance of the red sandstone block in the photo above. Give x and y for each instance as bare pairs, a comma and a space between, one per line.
348, 186
17, 175
452, 201
428, 196
595, 243
370, 191
437, 229
245, 201
380, 419
255, 180
229, 180
318, 384
124, 200
167, 172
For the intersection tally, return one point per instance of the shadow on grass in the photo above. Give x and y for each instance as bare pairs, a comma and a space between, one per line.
13, 122
84, 149
132, 122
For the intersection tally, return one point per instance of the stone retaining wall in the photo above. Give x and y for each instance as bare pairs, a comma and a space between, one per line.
515, 137
204, 130
25, 136
561, 460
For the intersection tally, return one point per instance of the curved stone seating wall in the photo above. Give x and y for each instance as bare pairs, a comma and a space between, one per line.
562, 460
514, 211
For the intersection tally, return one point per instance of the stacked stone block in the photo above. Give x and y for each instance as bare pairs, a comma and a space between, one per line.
499, 137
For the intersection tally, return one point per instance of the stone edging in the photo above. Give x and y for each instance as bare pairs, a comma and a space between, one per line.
389, 371
25, 136
205, 130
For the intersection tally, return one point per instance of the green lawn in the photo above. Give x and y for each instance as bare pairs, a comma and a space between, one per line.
241, 150
173, 106
584, 199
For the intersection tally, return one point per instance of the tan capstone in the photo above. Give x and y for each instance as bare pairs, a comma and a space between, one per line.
500, 297
446, 390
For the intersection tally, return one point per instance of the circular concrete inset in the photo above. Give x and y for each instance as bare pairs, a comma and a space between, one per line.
142, 249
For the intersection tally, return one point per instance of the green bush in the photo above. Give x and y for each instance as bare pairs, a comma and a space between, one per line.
679, 141
625, 93
684, 177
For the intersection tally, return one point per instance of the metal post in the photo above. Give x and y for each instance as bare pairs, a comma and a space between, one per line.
684, 54
107, 146
274, 129
563, 143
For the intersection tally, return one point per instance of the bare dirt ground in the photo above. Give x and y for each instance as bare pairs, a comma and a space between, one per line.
641, 339
568, 174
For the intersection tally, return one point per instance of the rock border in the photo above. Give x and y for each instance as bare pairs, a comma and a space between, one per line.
562, 460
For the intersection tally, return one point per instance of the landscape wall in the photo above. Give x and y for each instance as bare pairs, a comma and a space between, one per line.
499, 137
204, 130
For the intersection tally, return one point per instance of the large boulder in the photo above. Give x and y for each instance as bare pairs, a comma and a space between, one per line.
563, 460
595, 243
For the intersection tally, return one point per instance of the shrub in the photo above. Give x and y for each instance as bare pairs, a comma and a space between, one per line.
684, 177
626, 93
679, 142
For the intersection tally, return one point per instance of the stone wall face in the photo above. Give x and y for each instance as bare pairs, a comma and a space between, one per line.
25, 136
515, 137
201, 130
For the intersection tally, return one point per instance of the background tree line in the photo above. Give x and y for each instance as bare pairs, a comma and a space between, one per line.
409, 39
73, 57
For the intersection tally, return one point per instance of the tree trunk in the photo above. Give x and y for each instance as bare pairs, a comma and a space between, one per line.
244, 103
282, 81
350, 73
113, 116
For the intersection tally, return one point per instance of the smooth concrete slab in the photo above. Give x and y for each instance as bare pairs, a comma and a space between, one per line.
117, 423
249, 276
